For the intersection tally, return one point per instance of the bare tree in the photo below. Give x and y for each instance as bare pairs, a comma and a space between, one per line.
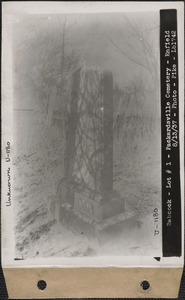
45, 61
140, 49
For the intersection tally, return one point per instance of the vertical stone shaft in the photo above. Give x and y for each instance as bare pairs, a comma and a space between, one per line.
72, 125
107, 170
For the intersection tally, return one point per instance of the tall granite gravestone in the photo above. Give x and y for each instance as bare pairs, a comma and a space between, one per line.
89, 204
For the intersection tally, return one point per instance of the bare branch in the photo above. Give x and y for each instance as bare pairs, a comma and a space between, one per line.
126, 55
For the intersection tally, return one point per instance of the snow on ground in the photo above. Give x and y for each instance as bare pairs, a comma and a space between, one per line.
39, 235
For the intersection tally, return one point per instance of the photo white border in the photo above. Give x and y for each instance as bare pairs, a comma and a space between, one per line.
10, 11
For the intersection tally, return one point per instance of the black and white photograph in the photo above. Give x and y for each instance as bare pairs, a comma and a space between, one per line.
85, 147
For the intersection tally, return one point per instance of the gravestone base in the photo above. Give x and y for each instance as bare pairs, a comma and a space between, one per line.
95, 215
98, 206
95, 205
115, 226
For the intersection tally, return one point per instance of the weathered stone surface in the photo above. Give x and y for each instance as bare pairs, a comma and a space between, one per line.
107, 206
89, 204
119, 224
89, 148
93, 142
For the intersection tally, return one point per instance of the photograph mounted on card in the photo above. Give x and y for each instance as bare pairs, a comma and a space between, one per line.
92, 159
